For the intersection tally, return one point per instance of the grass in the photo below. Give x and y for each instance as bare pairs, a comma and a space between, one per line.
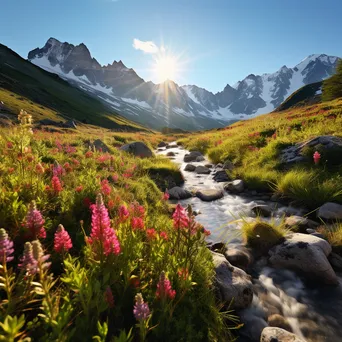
254, 147
334, 235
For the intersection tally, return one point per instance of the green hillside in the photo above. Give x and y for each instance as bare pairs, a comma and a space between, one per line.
45, 95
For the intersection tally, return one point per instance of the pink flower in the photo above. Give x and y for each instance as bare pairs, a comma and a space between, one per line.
35, 222
109, 298
206, 232
102, 237
180, 218
164, 236
56, 184
115, 178
6, 247
62, 242
9, 144
79, 188
165, 196
89, 154
164, 289
316, 157
57, 170
141, 310
137, 223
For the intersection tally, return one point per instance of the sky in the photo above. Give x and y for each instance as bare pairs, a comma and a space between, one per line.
209, 43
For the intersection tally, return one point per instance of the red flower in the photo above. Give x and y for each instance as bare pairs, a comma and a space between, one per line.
56, 185
89, 154
180, 218
164, 236
137, 223
62, 242
316, 157
79, 188
151, 234
105, 187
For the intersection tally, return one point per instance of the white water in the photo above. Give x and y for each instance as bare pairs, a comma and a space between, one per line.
314, 312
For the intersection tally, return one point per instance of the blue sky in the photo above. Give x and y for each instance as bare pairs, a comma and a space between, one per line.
216, 41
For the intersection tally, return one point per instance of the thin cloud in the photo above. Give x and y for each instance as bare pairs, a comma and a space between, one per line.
146, 47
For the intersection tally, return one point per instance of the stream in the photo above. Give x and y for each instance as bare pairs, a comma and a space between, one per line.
313, 312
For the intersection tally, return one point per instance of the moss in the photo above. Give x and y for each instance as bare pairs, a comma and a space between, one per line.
262, 236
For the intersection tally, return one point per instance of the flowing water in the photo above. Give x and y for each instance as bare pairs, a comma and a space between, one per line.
313, 312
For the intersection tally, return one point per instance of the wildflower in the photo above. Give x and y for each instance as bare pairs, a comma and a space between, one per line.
206, 232
35, 222
137, 223
39, 255
89, 154
79, 188
165, 196
57, 169
62, 242
56, 185
137, 210
6, 247
115, 178
164, 289
141, 310
183, 273
39, 168
105, 187
151, 233
123, 213
102, 234
67, 167
28, 262
9, 144
316, 157
10, 169
180, 218
109, 298
76, 162
274, 136
164, 236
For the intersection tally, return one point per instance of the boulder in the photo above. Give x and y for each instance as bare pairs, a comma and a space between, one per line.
235, 186
48, 122
178, 193
70, 124
279, 321
200, 158
273, 334
239, 257
262, 210
219, 165
330, 211
306, 254
300, 223
228, 165
209, 195
162, 144
170, 154
190, 168
221, 176
335, 261
209, 166
138, 148
192, 156
202, 170
233, 285
99, 145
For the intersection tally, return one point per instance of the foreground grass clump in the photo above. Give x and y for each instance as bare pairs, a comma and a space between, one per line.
334, 236
88, 250
255, 146
261, 236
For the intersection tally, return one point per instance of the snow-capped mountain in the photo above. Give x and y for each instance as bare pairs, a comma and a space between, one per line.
167, 104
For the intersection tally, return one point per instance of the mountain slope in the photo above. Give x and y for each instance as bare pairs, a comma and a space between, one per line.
168, 104
47, 95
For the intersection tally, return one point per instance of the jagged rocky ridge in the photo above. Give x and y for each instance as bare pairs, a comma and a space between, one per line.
168, 104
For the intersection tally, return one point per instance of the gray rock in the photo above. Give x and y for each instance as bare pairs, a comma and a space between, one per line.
192, 156
202, 170
209, 166
170, 154
235, 186
49, 122
330, 211
138, 148
171, 146
262, 210
335, 261
233, 285
190, 168
300, 223
70, 124
219, 165
228, 165
179, 193
99, 145
162, 144
273, 334
306, 254
200, 158
209, 195
279, 321
221, 176
239, 257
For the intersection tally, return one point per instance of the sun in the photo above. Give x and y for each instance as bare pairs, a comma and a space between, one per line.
166, 68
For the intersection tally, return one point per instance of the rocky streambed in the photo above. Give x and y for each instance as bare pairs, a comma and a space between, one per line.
291, 293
